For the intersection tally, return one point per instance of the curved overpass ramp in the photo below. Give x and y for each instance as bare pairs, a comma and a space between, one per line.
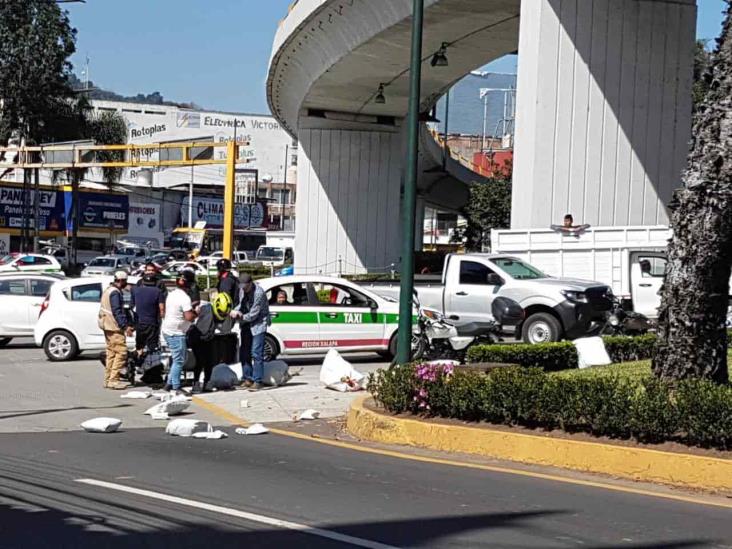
588, 74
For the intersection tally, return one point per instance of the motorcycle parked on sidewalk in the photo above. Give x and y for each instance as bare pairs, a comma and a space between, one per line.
443, 340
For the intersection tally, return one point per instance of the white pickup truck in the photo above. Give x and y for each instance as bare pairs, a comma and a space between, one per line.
631, 260
555, 308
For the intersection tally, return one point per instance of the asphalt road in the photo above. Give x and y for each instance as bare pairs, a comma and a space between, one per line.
67, 488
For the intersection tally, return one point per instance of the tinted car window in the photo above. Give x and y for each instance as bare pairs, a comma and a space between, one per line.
473, 273
91, 293
341, 296
294, 294
12, 287
39, 288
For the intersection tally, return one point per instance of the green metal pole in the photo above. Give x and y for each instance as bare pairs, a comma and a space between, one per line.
409, 200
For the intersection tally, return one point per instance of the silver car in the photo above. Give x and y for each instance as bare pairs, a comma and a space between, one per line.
107, 265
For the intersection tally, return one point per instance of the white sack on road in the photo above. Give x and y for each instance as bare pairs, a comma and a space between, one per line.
591, 352
338, 374
101, 425
276, 373
211, 435
187, 427
173, 407
137, 394
256, 429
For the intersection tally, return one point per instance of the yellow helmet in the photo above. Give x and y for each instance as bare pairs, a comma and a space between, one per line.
222, 305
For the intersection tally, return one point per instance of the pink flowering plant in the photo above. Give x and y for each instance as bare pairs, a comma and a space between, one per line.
412, 387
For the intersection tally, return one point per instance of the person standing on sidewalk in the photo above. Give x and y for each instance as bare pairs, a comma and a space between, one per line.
179, 314
115, 325
253, 315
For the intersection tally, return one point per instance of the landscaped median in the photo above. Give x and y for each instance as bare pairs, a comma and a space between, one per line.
617, 420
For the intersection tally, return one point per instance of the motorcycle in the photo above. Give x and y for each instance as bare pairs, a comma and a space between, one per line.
618, 321
441, 339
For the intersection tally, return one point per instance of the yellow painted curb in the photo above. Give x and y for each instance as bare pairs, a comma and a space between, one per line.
687, 470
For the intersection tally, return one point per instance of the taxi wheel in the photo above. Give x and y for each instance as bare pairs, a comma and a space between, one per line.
418, 348
271, 349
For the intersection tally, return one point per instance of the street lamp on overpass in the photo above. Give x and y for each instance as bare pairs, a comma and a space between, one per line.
409, 200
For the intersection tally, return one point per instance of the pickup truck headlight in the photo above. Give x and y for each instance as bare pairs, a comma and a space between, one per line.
577, 297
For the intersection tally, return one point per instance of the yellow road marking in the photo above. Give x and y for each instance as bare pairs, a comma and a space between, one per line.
235, 420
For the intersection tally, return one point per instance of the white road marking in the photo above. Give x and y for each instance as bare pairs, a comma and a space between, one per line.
261, 519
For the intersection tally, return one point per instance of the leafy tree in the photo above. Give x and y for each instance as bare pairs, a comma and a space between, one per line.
36, 41
692, 340
489, 208
702, 63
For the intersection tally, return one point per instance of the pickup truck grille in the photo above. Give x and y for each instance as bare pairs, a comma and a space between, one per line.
599, 298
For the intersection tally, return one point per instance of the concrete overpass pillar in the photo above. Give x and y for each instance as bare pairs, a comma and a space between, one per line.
348, 201
603, 110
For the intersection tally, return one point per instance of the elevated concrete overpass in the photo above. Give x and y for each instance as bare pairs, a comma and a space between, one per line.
603, 112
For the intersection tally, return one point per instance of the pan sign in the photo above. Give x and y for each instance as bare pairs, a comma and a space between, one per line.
50, 208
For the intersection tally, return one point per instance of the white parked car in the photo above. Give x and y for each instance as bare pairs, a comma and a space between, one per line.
67, 324
23, 263
107, 265
174, 268
322, 313
21, 296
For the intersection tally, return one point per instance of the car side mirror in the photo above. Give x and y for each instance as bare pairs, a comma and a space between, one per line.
494, 280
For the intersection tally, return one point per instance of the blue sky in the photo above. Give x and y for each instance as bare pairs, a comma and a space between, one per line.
213, 53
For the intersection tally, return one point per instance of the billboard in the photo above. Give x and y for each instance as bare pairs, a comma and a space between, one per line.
100, 211
144, 221
211, 210
51, 208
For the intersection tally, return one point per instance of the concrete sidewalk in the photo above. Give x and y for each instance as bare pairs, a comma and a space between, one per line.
303, 391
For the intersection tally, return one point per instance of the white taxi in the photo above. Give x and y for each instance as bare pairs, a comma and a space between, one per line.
312, 314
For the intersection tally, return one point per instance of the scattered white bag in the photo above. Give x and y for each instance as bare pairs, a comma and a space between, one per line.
159, 415
256, 429
338, 374
309, 414
173, 407
137, 394
210, 435
101, 425
276, 373
244, 404
187, 427
223, 378
591, 352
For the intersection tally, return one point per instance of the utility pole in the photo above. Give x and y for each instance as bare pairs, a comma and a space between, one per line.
409, 200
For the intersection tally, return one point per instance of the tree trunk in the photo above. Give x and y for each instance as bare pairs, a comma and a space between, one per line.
692, 340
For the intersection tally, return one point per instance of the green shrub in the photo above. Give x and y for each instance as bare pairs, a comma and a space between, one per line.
696, 412
561, 355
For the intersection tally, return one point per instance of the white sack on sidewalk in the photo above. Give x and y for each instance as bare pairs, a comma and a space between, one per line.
173, 407
591, 352
137, 394
101, 425
338, 374
309, 414
238, 370
187, 427
276, 373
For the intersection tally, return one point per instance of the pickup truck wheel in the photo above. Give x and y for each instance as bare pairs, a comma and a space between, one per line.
541, 328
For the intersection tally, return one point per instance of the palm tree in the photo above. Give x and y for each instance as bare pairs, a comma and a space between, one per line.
692, 340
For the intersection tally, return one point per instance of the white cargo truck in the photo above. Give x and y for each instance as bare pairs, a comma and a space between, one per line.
631, 260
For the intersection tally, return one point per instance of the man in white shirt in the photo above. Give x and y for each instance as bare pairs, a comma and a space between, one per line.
179, 314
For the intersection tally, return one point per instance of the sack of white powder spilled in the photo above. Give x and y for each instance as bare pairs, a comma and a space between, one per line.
338, 374
187, 427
